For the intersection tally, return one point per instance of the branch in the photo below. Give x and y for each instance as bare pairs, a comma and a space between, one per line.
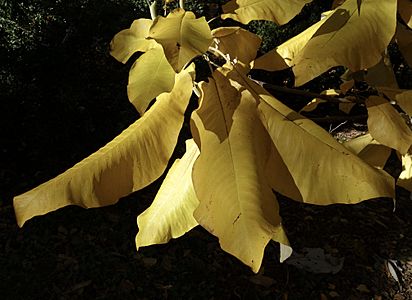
332, 119
287, 90
152, 7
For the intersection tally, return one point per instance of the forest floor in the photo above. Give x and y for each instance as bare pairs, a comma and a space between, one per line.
63, 97
90, 254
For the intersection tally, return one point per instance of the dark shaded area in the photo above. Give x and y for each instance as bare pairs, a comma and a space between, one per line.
61, 98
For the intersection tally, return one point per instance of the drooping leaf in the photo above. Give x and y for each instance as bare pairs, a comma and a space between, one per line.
280, 11
239, 43
405, 11
134, 39
133, 160
149, 76
368, 149
404, 40
182, 36
236, 202
343, 38
171, 213
387, 126
323, 170
404, 100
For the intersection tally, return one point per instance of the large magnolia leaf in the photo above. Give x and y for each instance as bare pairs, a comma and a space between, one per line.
279, 11
133, 160
368, 149
323, 170
134, 39
182, 36
404, 40
344, 38
405, 11
236, 202
239, 43
171, 213
387, 126
149, 76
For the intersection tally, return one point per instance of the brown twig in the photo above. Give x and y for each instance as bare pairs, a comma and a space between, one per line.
286, 90
332, 119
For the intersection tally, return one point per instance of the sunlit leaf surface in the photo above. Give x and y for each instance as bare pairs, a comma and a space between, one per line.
279, 11
133, 160
343, 38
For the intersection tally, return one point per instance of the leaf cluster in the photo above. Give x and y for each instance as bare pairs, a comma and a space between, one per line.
246, 142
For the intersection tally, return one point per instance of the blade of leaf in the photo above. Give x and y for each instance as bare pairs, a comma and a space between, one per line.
171, 213
236, 202
387, 126
129, 41
149, 76
404, 100
133, 160
280, 11
382, 74
228, 39
368, 149
182, 36
323, 170
343, 38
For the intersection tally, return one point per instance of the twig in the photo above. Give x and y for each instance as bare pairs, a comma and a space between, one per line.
338, 118
287, 90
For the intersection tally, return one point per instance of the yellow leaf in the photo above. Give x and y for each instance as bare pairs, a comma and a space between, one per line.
312, 105
367, 148
404, 100
382, 74
129, 41
404, 39
236, 202
239, 43
323, 170
343, 38
388, 92
133, 160
182, 36
150, 75
280, 11
405, 178
405, 11
387, 126
171, 213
